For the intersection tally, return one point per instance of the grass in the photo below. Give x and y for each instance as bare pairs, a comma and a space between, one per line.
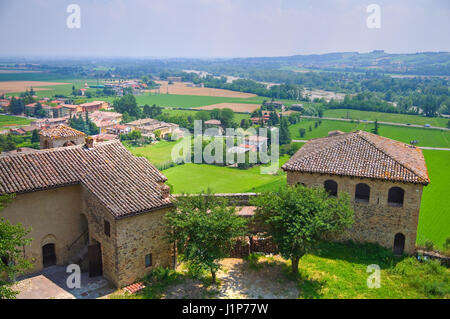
426, 137
434, 218
157, 154
386, 117
6, 121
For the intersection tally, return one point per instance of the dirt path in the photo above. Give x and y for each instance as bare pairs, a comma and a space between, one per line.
240, 282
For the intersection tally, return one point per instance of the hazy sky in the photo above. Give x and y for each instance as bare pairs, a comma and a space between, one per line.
220, 28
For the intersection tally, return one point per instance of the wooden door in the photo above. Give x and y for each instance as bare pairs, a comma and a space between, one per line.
95, 260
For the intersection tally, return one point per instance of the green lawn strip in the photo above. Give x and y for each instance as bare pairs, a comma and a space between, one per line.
434, 218
426, 137
157, 154
386, 117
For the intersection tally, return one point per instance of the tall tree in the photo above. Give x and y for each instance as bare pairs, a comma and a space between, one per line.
205, 229
298, 218
285, 134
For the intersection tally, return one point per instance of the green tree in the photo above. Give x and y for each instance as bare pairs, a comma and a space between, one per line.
127, 103
204, 228
285, 134
298, 218
35, 137
301, 131
10, 145
12, 261
375, 128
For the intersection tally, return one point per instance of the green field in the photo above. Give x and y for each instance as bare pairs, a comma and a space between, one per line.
434, 219
186, 112
157, 154
6, 121
387, 117
426, 137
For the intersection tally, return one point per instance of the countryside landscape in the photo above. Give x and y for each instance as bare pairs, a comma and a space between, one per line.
106, 168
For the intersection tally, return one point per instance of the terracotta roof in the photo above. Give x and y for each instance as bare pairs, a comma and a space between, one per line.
125, 184
361, 154
61, 131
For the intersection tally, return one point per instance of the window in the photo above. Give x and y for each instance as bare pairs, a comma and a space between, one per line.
331, 187
148, 260
395, 196
362, 193
300, 183
107, 228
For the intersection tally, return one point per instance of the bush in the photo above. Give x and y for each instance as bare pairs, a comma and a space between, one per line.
429, 245
253, 259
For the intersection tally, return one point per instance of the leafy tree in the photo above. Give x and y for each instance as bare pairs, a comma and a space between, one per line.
10, 145
127, 103
16, 106
301, 131
204, 228
285, 134
12, 261
375, 128
298, 218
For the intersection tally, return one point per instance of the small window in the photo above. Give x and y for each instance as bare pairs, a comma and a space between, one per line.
107, 228
148, 260
300, 183
362, 193
331, 187
395, 196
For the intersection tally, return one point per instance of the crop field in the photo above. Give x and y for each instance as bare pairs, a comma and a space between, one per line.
7, 121
434, 218
386, 117
236, 107
426, 137
181, 88
21, 86
186, 112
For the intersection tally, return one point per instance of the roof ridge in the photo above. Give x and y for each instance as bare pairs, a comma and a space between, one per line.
389, 155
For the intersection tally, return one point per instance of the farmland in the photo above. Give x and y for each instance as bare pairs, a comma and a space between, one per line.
7, 121
181, 88
235, 107
426, 137
386, 117
434, 219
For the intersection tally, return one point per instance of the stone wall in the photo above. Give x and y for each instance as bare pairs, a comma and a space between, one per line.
48, 142
138, 236
375, 221
54, 216
97, 214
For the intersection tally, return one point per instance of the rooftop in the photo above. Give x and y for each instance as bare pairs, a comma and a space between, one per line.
361, 154
61, 131
124, 184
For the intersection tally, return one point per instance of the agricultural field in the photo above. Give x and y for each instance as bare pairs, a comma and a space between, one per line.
186, 112
386, 117
235, 107
181, 88
7, 121
426, 137
157, 154
434, 219
21, 86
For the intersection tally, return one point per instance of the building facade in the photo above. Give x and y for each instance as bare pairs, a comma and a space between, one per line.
384, 179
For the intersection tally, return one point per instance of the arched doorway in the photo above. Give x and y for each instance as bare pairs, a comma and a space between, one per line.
399, 244
48, 255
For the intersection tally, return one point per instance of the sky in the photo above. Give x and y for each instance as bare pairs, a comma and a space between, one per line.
220, 28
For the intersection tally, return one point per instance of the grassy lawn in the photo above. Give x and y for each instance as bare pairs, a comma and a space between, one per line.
426, 137
387, 117
186, 112
195, 178
157, 154
434, 219
6, 121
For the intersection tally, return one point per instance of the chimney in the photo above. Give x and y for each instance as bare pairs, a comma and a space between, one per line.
334, 133
165, 191
89, 142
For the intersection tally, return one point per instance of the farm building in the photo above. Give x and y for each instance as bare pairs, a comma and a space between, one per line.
94, 205
384, 178
59, 136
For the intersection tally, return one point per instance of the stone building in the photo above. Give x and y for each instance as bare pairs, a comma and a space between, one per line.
94, 205
59, 136
383, 177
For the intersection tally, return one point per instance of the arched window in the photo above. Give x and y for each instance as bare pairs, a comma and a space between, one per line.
362, 193
395, 196
331, 187
399, 244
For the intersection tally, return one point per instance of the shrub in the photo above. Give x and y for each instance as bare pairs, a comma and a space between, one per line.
253, 259
429, 245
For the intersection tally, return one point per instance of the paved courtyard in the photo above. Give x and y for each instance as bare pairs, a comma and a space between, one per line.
51, 284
